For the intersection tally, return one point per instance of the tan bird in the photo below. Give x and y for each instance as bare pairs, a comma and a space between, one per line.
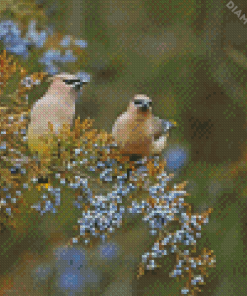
57, 106
138, 132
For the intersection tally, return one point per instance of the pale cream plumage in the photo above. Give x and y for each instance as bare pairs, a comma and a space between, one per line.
57, 106
138, 132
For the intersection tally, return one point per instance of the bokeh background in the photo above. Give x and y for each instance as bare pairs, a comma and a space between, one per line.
190, 57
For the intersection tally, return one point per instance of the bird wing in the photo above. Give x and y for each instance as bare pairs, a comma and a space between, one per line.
161, 126
120, 124
158, 127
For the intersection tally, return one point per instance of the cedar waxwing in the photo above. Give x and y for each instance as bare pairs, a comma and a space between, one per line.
56, 106
138, 132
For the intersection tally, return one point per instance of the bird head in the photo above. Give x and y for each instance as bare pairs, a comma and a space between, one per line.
68, 80
141, 104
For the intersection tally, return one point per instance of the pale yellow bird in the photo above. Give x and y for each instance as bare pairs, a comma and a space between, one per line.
138, 132
57, 106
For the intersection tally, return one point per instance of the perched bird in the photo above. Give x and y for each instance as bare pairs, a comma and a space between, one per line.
57, 106
137, 132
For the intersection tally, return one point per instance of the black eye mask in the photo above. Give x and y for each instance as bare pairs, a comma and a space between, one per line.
75, 83
140, 103
72, 81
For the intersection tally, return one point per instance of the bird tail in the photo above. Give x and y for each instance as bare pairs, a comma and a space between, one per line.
168, 124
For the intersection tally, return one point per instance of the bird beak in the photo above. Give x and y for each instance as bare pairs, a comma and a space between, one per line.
145, 108
143, 105
80, 86
84, 82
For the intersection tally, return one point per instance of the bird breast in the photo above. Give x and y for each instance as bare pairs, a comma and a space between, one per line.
57, 113
134, 136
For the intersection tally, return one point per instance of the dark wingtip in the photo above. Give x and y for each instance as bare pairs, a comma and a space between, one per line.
167, 125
